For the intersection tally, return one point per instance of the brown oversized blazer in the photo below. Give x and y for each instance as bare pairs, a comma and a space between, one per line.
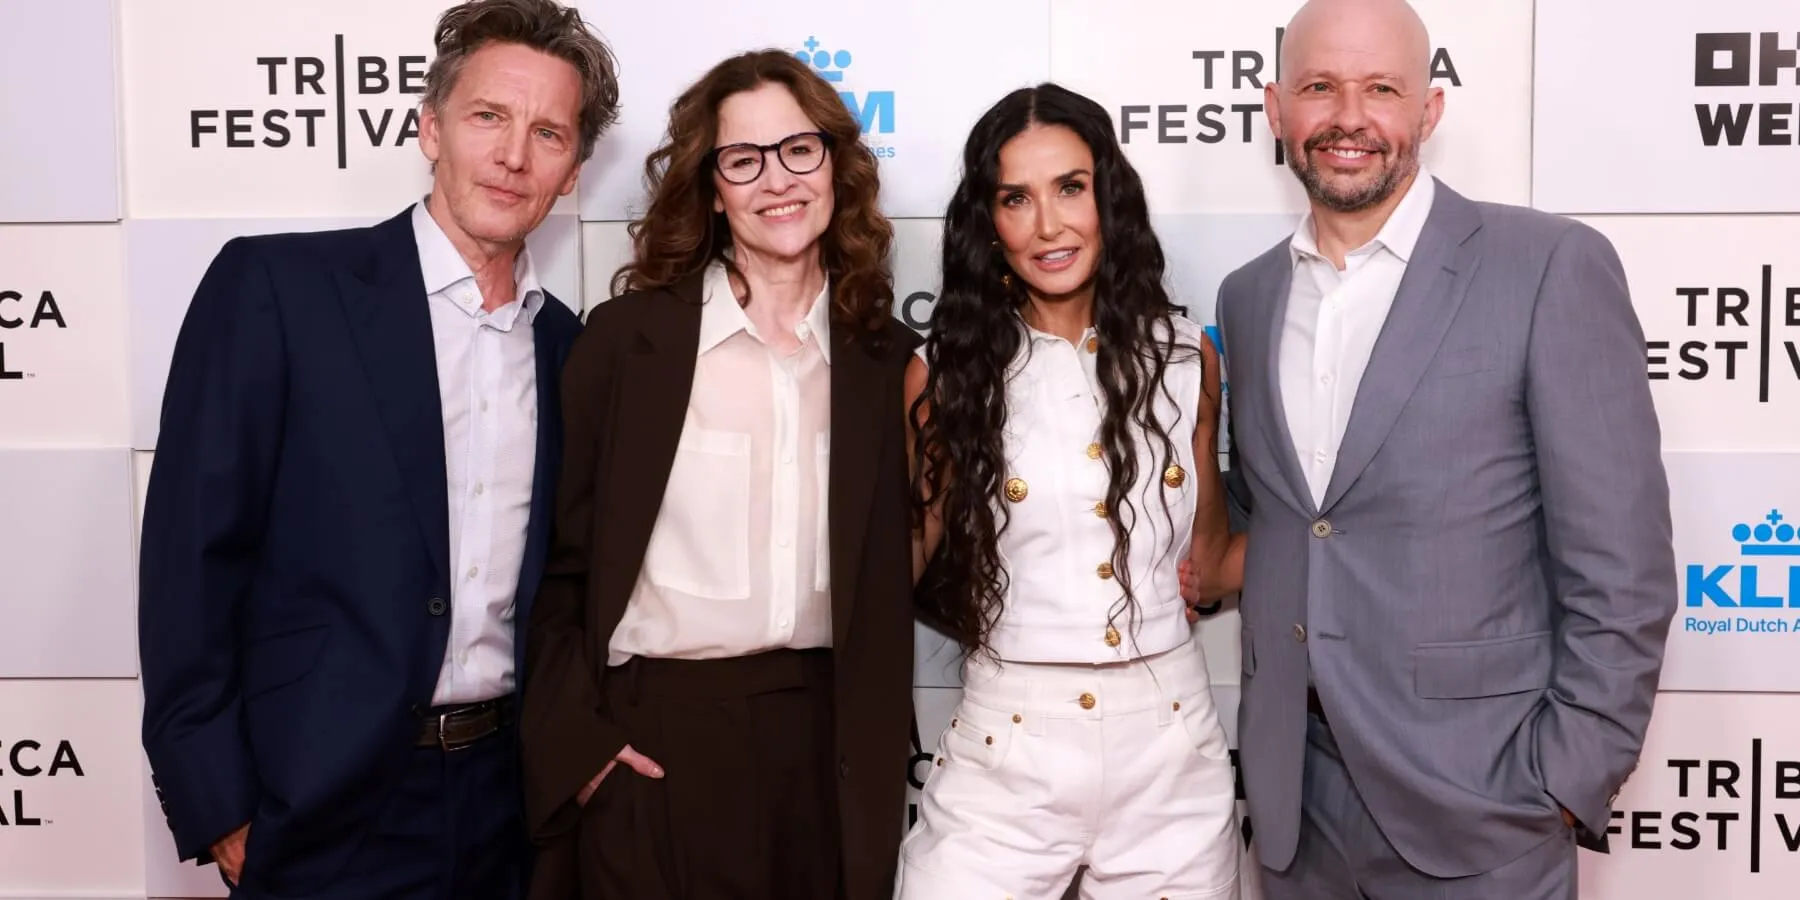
625, 391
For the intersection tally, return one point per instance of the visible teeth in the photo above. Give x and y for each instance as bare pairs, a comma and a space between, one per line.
1351, 154
783, 210
1057, 255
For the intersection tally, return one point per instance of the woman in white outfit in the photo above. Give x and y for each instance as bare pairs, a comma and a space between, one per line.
1064, 417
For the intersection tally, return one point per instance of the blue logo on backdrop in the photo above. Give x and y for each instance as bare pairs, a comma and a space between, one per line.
874, 110
1767, 577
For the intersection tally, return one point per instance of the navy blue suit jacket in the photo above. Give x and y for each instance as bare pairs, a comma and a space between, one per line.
294, 582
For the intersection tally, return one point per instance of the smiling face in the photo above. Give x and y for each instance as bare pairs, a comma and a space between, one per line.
777, 215
504, 145
1044, 211
1354, 104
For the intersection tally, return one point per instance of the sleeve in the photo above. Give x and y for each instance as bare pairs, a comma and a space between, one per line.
1605, 499
203, 530
566, 738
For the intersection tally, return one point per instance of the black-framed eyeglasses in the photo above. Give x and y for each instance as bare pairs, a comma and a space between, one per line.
800, 154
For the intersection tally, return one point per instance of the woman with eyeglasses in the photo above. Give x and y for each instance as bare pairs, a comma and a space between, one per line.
718, 690
1066, 417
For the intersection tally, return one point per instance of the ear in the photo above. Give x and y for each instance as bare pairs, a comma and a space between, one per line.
428, 132
570, 182
1272, 107
1434, 113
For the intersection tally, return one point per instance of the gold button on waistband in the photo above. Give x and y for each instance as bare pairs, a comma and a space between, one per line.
1112, 636
1017, 718
1105, 570
1100, 509
1093, 345
1016, 489
1086, 701
1178, 706
1094, 451
1173, 476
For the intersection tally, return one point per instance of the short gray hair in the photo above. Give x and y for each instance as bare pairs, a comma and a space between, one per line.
542, 25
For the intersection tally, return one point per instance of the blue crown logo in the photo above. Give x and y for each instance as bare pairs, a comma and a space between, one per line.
830, 66
1774, 537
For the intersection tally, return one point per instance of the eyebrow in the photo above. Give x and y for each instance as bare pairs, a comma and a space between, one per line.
1058, 179
483, 103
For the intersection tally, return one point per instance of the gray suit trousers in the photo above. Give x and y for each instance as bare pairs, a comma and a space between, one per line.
1344, 856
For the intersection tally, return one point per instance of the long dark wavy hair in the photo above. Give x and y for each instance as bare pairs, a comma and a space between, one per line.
976, 333
680, 234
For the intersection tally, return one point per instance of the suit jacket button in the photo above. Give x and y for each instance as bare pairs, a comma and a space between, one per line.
843, 768
1300, 633
1321, 529
437, 606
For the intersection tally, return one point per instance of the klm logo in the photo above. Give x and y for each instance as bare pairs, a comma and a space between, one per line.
874, 110
1767, 577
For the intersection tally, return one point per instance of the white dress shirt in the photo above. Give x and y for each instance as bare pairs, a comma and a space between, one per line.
1063, 602
1333, 318
739, 559
487, 383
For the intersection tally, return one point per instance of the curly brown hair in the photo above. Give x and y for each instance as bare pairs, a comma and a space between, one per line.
680, 234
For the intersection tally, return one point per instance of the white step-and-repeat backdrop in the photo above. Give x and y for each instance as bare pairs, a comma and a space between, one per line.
141, 134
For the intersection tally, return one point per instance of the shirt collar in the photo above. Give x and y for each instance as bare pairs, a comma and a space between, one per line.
1398, 235
721, 316
443, 268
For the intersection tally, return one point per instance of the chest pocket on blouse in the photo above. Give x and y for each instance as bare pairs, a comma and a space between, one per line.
701, 543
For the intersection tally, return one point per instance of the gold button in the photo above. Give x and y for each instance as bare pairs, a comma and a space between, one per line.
1105, 570
1016, 489
940, 761
952, 723
1178, 706
1094, 451
990, 741
1112, 636
1100, 509
1017, 718
1173, 476
1086, 701
1093, 345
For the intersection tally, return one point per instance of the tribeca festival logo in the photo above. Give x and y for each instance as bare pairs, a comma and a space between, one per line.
1754, 595
316, 102
1241, 119
1742, 60
1705, 783
873, 110
1743, 324
25, 759
17, 311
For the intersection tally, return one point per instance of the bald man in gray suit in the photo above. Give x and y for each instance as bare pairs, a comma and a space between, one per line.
1459, 576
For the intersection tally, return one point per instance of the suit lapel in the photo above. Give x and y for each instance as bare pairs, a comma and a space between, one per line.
1274, 411
1430, 294
390, 324
859, 407
544, 471
654, 382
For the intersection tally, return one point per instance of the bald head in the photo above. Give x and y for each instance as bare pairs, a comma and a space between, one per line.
1381, 34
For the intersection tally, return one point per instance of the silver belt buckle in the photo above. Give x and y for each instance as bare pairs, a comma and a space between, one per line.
443, 740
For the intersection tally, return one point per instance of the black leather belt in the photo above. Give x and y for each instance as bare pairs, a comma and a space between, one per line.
1314, 706
456, 727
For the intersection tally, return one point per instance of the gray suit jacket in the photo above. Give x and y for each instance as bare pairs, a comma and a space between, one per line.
1483, 597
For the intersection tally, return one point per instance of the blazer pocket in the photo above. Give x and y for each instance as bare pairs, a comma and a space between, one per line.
280, 659
1456, 670
1464, 361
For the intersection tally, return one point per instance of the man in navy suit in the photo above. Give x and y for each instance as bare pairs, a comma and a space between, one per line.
348, 514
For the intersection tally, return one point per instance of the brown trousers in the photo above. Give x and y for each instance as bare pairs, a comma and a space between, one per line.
747, 806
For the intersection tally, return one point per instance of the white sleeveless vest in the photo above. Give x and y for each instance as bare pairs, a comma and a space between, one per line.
1056, 545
